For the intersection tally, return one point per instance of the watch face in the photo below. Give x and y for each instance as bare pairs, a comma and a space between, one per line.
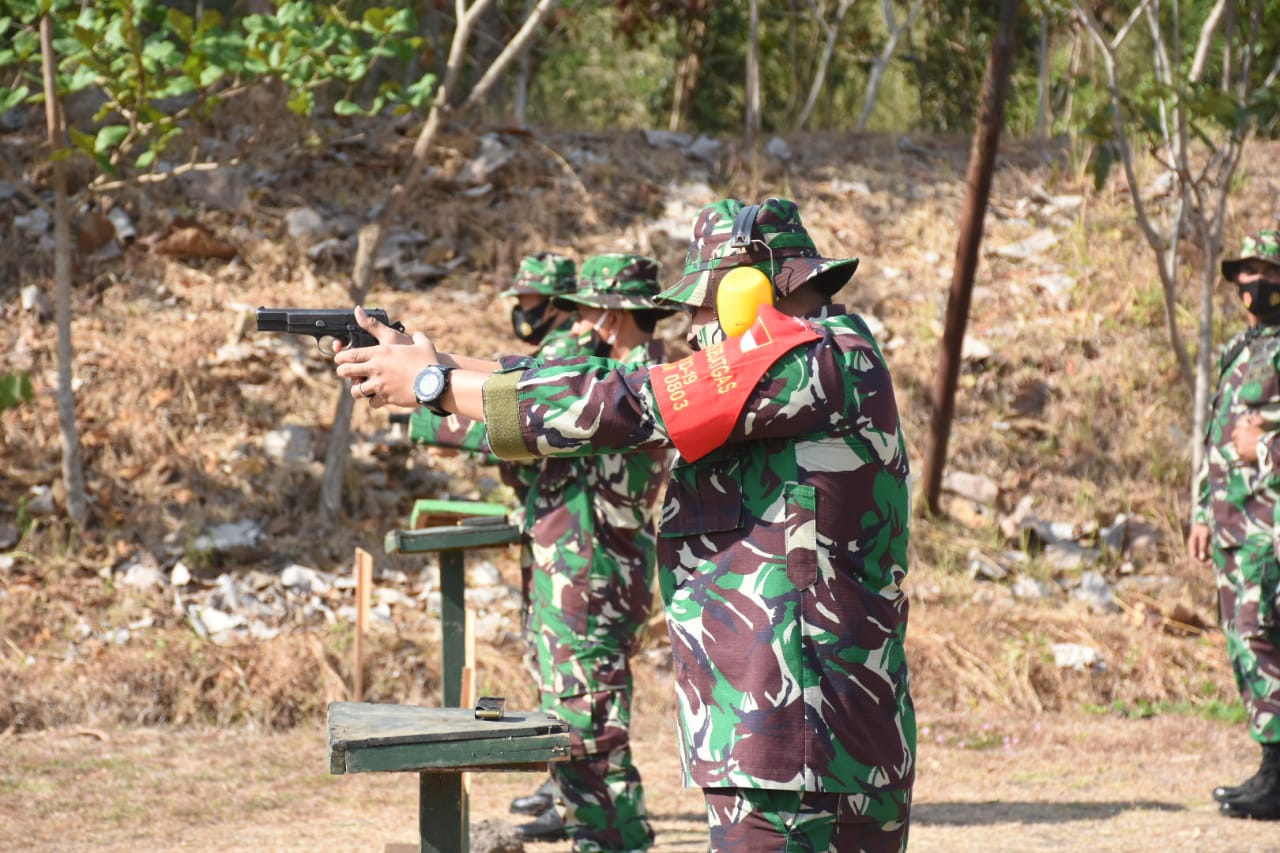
429, 384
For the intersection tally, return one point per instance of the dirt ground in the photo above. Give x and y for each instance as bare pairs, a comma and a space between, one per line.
1056, 782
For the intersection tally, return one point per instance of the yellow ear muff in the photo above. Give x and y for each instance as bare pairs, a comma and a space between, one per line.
738, 299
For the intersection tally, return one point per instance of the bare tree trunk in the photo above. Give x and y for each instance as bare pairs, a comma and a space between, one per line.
1159, 243
1042, 83
876, 78
691, 34
753, 77
1203, 188
1073, 68
520, 97
982, 160
371, 235
72, 457
824, 62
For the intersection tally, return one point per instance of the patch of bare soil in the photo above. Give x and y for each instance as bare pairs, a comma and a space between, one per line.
1055, 782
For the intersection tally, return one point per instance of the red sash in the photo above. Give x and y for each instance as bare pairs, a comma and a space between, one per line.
701, 396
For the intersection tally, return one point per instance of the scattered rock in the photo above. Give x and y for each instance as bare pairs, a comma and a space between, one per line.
975, 487
305, 224
1032, 247
34, 301
40, 501
143, 573
494, 154
290, 444
231, 538
1096, 592
180, 575
305, 581
1076, 656
778, 149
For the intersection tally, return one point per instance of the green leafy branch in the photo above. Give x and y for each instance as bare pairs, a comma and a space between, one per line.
157, 68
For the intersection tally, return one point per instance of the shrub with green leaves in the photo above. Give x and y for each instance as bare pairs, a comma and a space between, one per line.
157, 67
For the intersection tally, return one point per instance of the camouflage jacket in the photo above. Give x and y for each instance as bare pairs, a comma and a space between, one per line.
1236, 499
462, 433
781, 557
594, 554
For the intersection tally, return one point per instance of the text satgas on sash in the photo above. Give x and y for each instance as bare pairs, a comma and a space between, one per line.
700, 414
684, 372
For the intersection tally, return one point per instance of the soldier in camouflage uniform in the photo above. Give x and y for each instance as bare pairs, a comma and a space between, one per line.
1235, 517
588, 525
782, 540
593, 568
538, 317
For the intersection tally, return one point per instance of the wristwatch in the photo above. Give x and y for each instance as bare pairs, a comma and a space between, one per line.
430, 386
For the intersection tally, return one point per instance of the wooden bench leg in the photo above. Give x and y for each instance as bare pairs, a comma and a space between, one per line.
443, 814
453, 586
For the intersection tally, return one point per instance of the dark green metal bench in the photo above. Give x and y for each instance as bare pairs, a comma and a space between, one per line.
440, 744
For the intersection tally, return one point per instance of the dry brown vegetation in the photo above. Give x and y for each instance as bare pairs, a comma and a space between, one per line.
172, 425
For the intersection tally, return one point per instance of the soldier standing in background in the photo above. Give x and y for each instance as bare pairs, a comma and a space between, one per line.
783, 537
591, 556
1234, 523
538, 318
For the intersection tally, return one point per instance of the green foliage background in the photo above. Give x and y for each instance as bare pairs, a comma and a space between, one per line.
597, 65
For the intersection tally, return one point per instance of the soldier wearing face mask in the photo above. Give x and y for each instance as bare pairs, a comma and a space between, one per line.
539, 318
1234, 525
591, 554
594, 554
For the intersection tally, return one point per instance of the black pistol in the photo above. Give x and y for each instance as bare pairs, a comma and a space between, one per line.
324, 324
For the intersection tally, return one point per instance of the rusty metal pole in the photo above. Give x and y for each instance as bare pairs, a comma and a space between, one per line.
995, 88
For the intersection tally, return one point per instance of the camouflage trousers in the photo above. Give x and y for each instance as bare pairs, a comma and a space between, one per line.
753, 820
588, 684
603, 797
1248, 583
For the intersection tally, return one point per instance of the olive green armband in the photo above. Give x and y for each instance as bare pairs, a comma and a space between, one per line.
502, 416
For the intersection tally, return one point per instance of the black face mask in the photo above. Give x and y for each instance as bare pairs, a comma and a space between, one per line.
1263, 299
593, 342
596, 345
531, 326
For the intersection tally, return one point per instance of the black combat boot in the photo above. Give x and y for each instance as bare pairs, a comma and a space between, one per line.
537, 802
1259, 798
1223, 793
548, 826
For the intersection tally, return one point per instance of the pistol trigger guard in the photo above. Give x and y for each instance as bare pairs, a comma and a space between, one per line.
327, 353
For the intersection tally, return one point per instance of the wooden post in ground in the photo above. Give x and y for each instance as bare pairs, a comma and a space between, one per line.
364, 584
982, 160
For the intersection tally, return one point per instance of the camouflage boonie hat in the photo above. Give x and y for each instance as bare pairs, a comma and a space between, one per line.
625, 282
1262, 246
773, 241
544, 274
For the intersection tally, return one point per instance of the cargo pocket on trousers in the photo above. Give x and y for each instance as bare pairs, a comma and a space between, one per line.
802, 534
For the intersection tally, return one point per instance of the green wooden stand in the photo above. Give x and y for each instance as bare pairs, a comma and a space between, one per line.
440, 744
482, 529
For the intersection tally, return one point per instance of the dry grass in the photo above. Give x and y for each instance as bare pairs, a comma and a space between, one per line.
170, 430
